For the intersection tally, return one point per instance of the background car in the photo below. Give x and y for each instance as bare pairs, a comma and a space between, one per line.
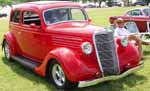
138, 12
111, 4
90, 5
3, 15
139, 16
139, 3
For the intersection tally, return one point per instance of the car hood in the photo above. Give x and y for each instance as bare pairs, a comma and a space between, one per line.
74, 28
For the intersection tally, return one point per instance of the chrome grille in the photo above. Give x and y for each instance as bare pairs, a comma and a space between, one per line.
106, 53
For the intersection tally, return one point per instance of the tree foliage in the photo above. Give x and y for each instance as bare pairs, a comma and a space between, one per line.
10, 2
5, 2
93, 0
147, 1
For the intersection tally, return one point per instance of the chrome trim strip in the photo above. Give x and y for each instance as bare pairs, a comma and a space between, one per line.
68, 38
115, 77
97, 55
147, 24
117, 56
98, 58
140, 33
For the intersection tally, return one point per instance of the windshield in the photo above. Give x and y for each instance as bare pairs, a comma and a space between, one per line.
146, 11
64, 14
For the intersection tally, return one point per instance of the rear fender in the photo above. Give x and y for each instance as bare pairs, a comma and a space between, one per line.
3, 44
11, 42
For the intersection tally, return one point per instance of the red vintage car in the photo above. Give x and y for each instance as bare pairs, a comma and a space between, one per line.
56, 40
141, 17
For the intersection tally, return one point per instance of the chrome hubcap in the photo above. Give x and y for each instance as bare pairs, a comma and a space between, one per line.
58, 75
7, 51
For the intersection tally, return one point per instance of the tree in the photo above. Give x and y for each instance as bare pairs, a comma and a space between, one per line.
75, 0
147, 1
5, 2
10, 2
100, 1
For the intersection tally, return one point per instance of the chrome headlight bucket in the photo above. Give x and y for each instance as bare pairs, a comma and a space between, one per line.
87, 48
124, 41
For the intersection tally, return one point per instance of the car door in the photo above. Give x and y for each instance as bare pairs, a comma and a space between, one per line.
30, 36
15, 26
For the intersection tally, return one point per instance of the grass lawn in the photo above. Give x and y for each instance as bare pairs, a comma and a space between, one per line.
14, 77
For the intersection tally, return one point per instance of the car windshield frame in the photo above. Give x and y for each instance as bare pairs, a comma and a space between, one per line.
81, 9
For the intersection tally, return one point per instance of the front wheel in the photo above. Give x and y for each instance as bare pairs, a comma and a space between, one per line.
58, 77
7, 50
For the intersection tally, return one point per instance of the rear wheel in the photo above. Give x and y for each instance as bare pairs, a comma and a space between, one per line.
7, 50
58, 77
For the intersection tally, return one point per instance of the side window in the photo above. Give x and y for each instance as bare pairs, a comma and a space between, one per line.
77, 14
30, 17
16, 17
129, 13
136, 13
146, 11
131, 27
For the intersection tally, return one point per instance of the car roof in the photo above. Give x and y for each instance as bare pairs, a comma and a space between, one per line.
140, 8
45, 4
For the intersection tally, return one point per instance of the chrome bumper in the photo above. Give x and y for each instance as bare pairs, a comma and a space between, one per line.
115, 77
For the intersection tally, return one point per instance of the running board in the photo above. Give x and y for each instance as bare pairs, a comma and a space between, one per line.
26, 62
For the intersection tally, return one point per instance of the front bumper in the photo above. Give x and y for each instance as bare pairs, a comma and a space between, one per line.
115, 77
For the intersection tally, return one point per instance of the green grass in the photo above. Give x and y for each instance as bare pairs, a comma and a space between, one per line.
14, 77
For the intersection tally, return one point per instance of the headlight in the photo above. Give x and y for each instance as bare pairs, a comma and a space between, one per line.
124, 41
87, 48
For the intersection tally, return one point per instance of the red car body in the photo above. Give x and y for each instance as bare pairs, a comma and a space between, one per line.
139, 16
62, 41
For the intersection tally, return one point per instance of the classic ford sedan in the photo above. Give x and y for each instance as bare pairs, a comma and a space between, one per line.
56, 40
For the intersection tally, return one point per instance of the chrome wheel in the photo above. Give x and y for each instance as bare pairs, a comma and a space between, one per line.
7, 50
58, 75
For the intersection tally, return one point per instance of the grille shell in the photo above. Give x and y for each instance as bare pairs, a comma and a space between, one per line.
106, 53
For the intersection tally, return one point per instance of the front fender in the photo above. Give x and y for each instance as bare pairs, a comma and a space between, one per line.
128, 56
74, 67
